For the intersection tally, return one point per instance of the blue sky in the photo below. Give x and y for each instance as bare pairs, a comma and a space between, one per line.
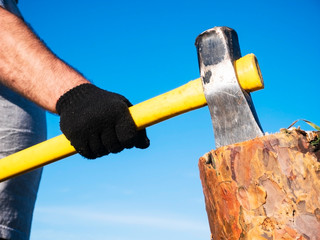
142, 49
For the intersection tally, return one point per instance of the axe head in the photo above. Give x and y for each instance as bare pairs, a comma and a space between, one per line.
232, 112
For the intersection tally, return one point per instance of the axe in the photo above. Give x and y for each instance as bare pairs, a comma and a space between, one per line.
225, 85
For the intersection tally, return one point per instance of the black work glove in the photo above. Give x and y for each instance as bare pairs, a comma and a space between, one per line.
98, 122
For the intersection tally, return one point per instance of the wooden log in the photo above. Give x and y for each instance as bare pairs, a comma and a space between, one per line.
267, 188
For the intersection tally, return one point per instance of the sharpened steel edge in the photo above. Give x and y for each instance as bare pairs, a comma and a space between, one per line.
232, 112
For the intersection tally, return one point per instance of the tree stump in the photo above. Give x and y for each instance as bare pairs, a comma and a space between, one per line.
267, 188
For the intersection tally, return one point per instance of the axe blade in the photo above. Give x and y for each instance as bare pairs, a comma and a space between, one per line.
232, 112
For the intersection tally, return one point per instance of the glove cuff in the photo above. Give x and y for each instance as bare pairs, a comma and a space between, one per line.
74, 96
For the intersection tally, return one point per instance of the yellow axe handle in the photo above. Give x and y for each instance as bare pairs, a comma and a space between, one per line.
182, 99
185, 98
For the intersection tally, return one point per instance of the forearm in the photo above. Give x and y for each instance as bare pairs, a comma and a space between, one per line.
29, 67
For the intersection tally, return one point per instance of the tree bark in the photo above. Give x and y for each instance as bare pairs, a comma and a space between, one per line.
267, 188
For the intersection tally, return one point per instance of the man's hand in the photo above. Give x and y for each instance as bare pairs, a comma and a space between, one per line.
98, 122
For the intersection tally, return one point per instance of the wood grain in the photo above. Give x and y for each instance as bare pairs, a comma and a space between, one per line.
267, 188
